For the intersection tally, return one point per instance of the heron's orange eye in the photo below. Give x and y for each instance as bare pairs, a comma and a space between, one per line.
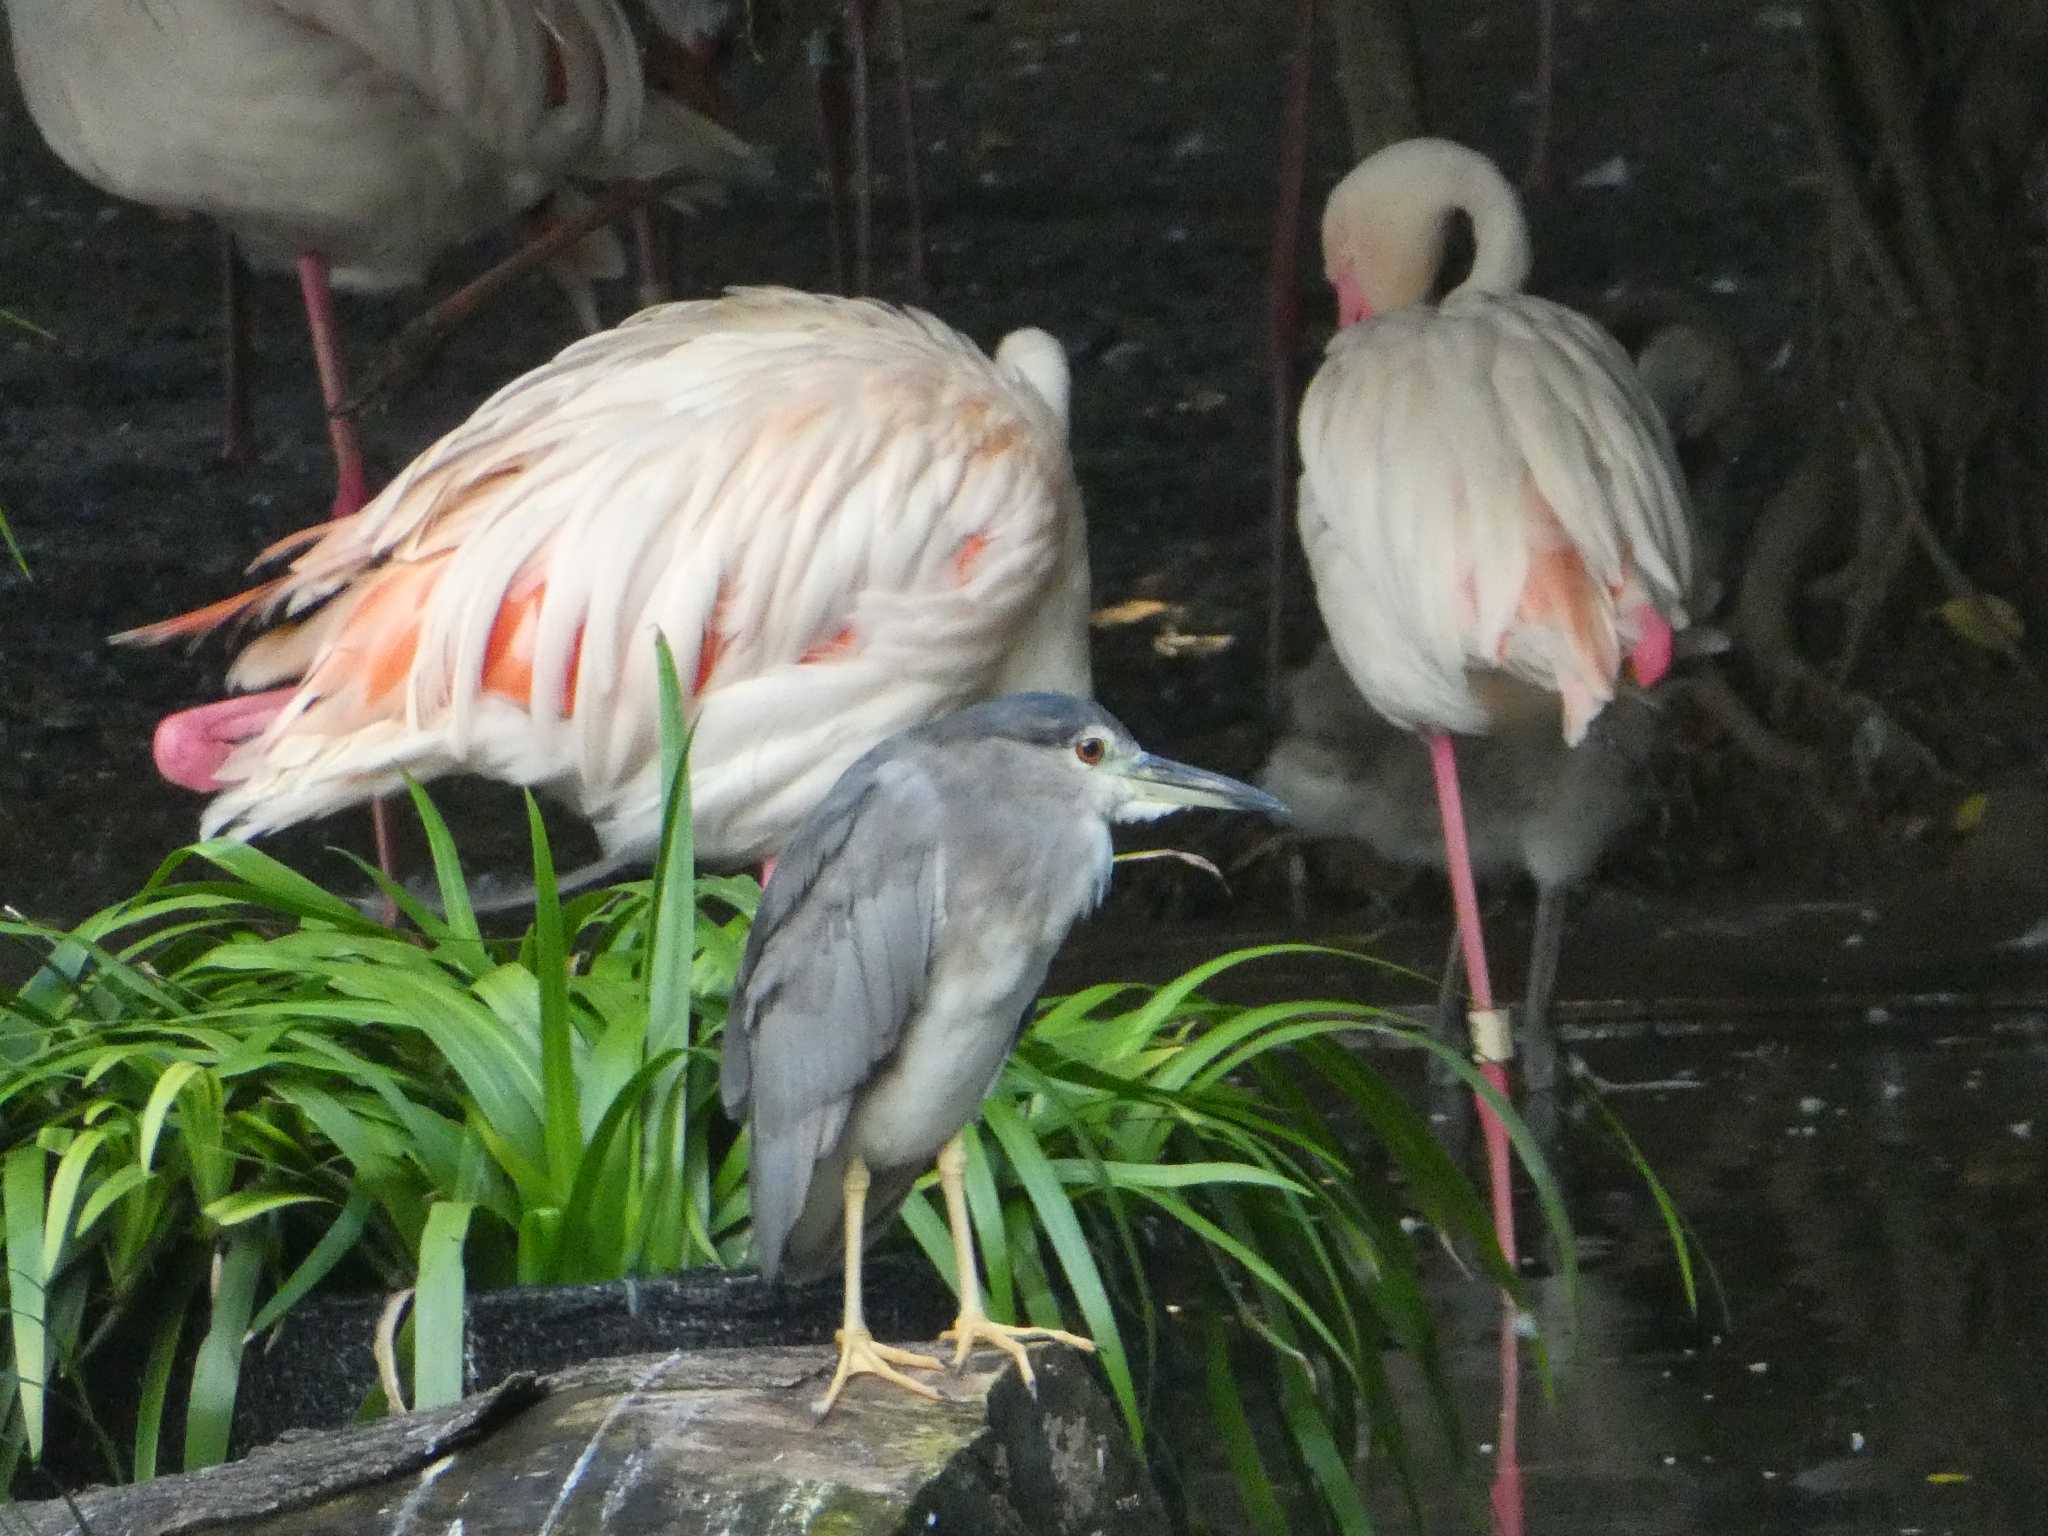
1090, 749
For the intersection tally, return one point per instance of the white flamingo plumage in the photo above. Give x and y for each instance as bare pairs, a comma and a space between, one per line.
1486, 483
844, 517
354, 139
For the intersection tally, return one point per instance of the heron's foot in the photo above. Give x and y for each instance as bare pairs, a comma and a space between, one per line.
972, 1328
860, 1355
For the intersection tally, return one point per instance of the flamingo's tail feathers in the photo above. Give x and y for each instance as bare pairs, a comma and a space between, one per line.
292, 543
202, 621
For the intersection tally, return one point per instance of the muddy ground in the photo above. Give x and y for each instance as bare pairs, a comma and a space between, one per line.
1101, 168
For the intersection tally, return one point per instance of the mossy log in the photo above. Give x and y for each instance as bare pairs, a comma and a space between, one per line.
713, 1440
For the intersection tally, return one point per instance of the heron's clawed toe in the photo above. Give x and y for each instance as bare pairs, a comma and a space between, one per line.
970, 1329
860, 1355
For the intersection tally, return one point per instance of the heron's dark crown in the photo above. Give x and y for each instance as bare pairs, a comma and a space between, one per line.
1036, 719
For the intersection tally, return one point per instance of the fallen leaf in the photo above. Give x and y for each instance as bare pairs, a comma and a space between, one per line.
1970, 812
1135, 610
1948, 1477
1985, 620
1173, 644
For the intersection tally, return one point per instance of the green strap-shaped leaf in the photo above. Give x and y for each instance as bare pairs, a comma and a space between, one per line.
559, 1093
673, 921
217, 1371
464, 942
1077, 1261
437, 1307
334, 1245
161, 1097
156, 1372
21, 1193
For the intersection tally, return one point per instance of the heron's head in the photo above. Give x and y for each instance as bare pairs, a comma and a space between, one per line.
1079, 745
1385, 224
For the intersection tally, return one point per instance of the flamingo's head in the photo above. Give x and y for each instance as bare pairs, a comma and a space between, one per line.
1385, 224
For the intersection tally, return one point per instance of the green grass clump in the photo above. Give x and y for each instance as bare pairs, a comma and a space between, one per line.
229, 1091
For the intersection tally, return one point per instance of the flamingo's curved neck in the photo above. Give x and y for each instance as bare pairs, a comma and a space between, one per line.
1501, 253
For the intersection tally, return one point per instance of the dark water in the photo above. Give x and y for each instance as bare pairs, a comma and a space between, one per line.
1873, 1358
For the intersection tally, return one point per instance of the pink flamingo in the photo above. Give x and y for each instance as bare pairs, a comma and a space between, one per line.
353, 141
846, 518
1490, 505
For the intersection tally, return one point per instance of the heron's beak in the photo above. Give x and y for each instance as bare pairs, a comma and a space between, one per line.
1161, 784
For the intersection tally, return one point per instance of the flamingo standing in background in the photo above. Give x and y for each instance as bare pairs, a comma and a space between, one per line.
845, 518
1491, 506
1533, 803
356, 140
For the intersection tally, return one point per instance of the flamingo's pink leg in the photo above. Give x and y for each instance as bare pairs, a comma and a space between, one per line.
1507, 1487
1651, 658
351, 486
651, 253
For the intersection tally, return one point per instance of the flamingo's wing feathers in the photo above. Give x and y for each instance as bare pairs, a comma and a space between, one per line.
1487, 485
1597, 447
538, 80
841, 516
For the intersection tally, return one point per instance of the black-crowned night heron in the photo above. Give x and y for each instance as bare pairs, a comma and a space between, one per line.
898, 948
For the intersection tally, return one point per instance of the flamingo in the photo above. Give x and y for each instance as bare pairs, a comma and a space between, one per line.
1534, 804
1492, 510
1490, 503
353, 141
845, 518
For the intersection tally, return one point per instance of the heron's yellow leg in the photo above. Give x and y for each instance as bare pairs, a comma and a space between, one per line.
972, 1326
859, 1354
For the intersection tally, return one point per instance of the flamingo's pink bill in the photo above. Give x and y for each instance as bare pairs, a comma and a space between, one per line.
190, 746
1651, 658
1352, 304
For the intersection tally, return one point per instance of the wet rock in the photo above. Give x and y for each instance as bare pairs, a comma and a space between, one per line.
693, 1441
314, 1370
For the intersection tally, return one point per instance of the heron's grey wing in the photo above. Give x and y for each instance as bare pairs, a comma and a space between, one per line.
838, 960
